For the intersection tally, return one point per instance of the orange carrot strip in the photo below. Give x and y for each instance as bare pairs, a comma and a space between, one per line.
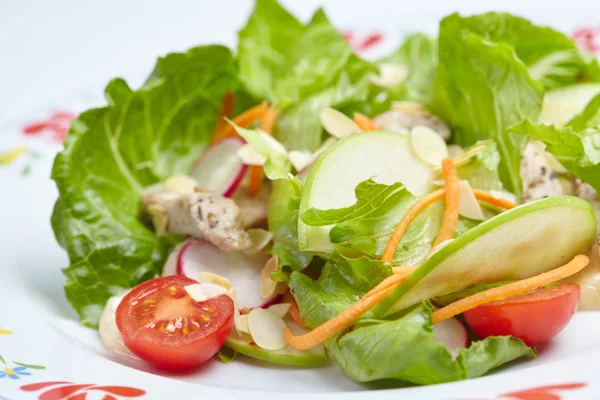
345, 318
575, 265
256, 171
226, 111
244, 119
392, 280
452, 192
411, 214
364, 123
294, 310
488, 198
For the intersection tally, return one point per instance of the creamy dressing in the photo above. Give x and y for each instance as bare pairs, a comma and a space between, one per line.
109, 333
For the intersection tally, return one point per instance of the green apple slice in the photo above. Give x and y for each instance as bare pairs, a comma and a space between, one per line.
561, 105
520, 243
384, 156
285, 356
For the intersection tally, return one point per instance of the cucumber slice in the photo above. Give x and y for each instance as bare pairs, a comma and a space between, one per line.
285, 356
384, 156
520, 243
561, 105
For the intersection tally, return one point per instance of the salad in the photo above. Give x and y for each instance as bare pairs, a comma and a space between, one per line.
425, 217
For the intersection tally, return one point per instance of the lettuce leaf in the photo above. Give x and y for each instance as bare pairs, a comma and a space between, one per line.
343, 281
482, 88
301, 69
418, 54
482, 169
577, 151
367, 225
406, 349
112, 153
283, 223
589, 118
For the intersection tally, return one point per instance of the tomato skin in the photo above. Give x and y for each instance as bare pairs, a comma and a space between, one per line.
534, 317
183, 340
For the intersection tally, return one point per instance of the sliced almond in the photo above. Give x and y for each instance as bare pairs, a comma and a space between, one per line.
209, 277
469, 206
455, 151
260, 239
411, 107
242, 323
160, 219
428, 145
266, 329
249, 156
390, 75
181, 184
280, 309
337, 124
300, 159
203, 291
268, 286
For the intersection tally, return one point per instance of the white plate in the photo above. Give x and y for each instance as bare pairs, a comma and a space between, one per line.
46, 354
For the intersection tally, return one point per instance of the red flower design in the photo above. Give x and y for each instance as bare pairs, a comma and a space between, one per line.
362, 43
58, 123
543, 392
588, 37
69, 391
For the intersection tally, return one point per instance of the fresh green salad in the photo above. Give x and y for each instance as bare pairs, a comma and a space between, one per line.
424, 217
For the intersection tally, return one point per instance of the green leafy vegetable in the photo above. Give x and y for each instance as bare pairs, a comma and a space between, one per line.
406, 349
342, 282
112, 153
482, 88
481, 171
300, 68
577, 151
589, 118
283, 223
418, 54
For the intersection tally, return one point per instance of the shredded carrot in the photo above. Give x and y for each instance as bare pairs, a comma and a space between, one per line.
452, 194
488, 198
256, 171
294, 310
575, 265
244, 119
364, 123
348, 316
411, 214
226, 111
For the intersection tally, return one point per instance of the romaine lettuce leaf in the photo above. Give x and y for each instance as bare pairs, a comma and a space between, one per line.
406, 349
577, 151
283, 223
481, 171
418, 54
112, 153
367, 225
482, 88
301, 69
589, 118
343, 281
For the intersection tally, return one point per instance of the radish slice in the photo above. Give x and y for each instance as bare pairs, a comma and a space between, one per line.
220, 170
242, 270
452, 334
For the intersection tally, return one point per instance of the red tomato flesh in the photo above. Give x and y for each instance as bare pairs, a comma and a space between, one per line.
534, 317
161, 324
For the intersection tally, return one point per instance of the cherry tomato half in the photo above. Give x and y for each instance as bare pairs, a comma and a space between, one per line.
534, 317
163, 325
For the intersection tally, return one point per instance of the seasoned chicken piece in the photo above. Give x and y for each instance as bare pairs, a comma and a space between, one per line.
539, 181
185, 210
403, 117
254, 209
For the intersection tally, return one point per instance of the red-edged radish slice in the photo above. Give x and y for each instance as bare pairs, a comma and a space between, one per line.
452, 334
196, 256
220, 170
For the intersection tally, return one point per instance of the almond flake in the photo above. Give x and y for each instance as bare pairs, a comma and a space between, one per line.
266, 329
268, 286
203, 291
249, 156
260, 239
280, 310
469, 206
428, 145
337, 124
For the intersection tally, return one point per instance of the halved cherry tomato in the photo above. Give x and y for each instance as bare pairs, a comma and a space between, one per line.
534, 317
163, 325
